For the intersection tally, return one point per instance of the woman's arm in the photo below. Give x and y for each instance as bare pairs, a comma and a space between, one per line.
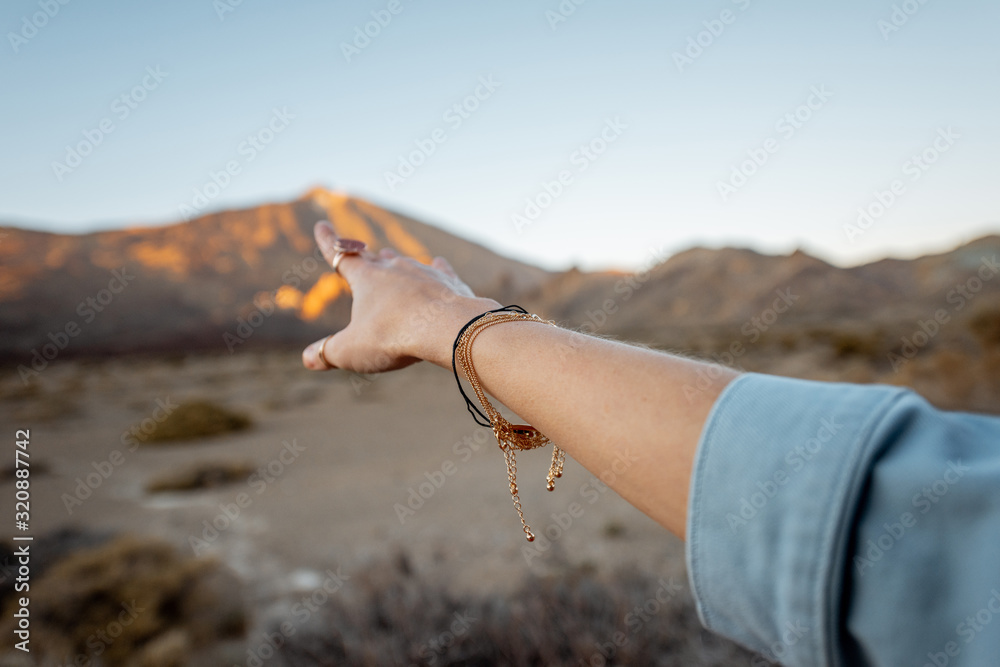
829, 524
613, 407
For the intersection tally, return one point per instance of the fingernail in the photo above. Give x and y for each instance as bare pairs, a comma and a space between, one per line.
309, 358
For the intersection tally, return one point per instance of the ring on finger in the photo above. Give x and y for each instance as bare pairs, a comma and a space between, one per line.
344, 247
322, 353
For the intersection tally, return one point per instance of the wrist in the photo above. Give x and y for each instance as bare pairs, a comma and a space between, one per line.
449, 323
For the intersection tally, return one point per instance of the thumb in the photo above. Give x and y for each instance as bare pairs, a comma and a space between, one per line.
311, 356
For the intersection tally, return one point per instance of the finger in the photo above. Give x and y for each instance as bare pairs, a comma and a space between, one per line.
311, 358
441, 264
326, 239
388, 253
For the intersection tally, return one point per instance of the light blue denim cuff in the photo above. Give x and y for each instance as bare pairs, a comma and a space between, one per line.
778, 476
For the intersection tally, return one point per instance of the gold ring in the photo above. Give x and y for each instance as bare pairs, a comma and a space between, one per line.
322, 353
344, 247
336, 261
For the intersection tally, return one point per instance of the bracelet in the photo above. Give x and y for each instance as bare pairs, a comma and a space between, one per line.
510, 437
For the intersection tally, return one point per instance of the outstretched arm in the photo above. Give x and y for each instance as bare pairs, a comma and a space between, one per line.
830, 524
611, 406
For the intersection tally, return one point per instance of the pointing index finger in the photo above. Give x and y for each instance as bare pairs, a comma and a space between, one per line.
326, 238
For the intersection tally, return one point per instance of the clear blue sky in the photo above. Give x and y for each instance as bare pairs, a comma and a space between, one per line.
682, 129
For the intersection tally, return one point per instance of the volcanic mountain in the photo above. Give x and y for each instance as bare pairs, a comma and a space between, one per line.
242, 279
229, 280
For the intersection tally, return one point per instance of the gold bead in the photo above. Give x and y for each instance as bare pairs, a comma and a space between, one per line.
550, 486
558, 474
530, 536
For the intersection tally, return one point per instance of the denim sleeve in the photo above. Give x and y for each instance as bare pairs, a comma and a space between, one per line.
835, 524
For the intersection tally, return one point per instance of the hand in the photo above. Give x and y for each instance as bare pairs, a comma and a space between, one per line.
402, 311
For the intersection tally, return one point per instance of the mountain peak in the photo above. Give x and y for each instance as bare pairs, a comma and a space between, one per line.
196, 280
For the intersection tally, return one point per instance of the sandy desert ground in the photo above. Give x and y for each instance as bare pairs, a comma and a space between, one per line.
342, 455
366, 519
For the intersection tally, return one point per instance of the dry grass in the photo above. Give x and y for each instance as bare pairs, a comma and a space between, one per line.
846, 342
130, 601
204, 475
986, 326
198, 419
569, 619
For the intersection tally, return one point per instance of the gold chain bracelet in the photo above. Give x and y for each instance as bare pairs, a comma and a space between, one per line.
510, 437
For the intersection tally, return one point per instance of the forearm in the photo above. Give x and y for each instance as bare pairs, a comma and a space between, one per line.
631, 411
613, 407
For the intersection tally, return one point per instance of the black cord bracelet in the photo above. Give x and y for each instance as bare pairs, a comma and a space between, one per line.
476, 413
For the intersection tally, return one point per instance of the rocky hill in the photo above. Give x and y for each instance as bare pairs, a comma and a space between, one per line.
254, 274
253, 279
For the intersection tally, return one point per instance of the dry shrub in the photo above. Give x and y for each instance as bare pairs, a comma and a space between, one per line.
613, 529
946, 377
866, 345
204, 475
197, 419
128, 602
986, 326
569, 619
18, 391
9, 472
788, 341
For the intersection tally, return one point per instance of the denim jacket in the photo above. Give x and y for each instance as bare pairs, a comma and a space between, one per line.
837, 524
